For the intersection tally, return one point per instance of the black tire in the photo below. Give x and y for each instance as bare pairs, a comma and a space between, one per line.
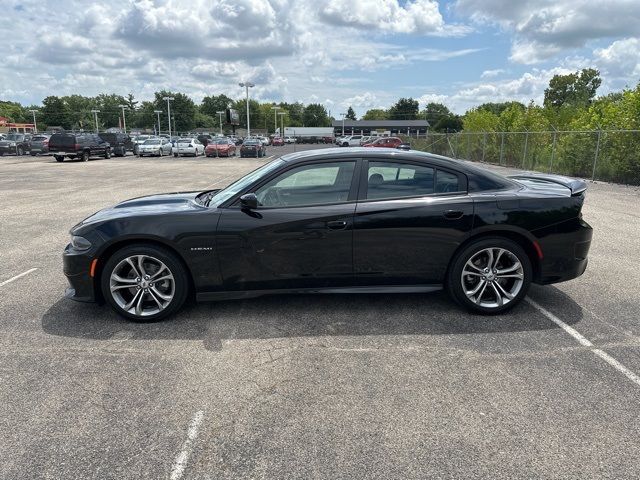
85, 156
107, 153
173, 263
19, 151
33, 154
454, 281
59, 158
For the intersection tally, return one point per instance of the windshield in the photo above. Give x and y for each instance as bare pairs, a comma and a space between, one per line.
222, 142
13, 136
251, 142
151, 142
239, 185
184, 140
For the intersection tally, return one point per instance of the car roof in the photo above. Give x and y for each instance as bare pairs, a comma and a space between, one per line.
386, 154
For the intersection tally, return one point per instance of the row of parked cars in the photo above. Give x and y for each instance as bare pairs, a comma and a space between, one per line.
369, 141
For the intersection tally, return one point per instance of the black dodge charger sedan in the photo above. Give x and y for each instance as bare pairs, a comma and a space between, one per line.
335, 220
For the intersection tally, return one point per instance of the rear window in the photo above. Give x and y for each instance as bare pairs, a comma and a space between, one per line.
151, 142
63, 140
39, 139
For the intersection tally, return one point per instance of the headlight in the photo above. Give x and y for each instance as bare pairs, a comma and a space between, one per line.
12, 144
80, 243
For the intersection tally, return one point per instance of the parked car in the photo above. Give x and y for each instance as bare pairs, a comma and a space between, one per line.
265, 140
385, 142
39, 144
120, 143
327, 139
15, 143
204, 139
139, 140
155, 147
247, 239
404, 146
351, 141
220, 147
289, 140
78, 145
277, 141
252, 147
188, 146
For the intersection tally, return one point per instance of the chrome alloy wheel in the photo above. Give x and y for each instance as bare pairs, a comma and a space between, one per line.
492, 277
142, 285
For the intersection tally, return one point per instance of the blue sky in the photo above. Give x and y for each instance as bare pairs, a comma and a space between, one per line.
364, 53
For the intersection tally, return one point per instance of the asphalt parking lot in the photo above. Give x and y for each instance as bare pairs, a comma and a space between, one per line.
331, 386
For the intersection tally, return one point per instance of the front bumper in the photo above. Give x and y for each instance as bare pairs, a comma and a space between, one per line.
76, 266
8, 150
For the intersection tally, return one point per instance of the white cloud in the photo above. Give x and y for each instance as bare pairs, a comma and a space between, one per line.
621, 58
415, 16
363, 101
492, 73
545, 28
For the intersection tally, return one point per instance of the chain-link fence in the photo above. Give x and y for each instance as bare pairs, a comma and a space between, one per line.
608, 155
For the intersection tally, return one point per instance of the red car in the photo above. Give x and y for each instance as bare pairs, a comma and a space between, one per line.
220, 147
385, 142
277, 141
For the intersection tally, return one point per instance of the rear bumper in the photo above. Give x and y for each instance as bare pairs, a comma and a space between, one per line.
565, 248
76, 268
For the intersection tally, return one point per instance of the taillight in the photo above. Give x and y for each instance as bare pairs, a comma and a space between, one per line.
46, 142
76, 146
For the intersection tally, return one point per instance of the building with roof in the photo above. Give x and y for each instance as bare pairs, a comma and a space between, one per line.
392, 127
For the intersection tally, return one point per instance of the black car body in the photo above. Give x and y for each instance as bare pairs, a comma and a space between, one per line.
39, 144
15, 144
253, 147
335, 220
78, 145
120, 143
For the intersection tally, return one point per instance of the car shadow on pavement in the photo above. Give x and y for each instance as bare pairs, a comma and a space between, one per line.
284, 316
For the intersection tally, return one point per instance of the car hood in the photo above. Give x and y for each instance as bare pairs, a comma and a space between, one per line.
143, 206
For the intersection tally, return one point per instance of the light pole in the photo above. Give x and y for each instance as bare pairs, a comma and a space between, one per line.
247, 85
220, 113
95, 116
35, 125
282, 114
124, 121
275, 118
343, 115
158, 112
168, 100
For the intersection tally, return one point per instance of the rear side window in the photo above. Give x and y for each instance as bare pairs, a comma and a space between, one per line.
447, 182
396, 180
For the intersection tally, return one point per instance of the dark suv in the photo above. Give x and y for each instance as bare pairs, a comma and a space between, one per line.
120, 143
15, 143
78, 145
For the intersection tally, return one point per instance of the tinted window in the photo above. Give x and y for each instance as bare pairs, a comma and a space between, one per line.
308, 185
447, 182
393, 180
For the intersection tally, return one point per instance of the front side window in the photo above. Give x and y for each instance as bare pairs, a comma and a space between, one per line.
314, 184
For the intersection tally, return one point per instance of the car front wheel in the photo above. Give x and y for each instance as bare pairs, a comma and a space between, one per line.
491, 275
144, 283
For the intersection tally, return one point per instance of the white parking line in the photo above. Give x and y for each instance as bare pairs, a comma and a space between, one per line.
570, 330
18, 276
584, 342
177, 470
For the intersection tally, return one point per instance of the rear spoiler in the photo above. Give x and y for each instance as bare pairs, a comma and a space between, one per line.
576, 185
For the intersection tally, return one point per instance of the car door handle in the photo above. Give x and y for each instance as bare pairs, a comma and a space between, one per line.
453, 214
337, 225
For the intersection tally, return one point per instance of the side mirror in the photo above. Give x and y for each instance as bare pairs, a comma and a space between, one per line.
249, 201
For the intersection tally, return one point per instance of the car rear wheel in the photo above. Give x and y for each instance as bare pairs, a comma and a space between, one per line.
160, 153
107, 153
19, 151
59, 158
85, 156
489, 276
144, 283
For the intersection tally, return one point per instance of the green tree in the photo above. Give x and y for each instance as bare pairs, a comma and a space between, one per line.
351, 115
110, 111
183, 110
375, 114
433, 112
13, 111
404, 109
499, 107
295, 113
215, 103
315, 115
577, 88
55, 112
